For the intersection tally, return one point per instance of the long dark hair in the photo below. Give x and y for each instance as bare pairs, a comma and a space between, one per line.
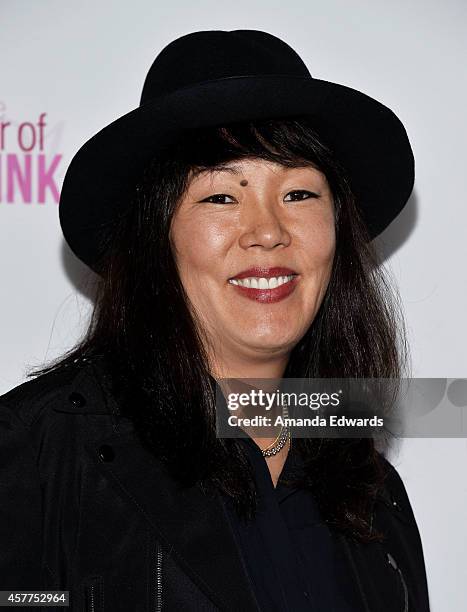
144, 330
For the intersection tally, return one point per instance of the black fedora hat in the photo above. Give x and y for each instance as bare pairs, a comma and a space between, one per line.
219, 77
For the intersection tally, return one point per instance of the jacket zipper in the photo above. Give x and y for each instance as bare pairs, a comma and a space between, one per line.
94, 595
393, 564
158, 577
91, 598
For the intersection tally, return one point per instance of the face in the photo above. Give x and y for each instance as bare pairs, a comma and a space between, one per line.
254, 246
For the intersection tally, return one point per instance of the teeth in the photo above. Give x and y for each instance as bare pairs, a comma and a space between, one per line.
262, 283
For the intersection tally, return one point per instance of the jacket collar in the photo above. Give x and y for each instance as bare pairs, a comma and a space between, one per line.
193, 526
85, 393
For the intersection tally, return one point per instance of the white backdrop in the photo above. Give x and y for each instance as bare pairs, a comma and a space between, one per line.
75, 66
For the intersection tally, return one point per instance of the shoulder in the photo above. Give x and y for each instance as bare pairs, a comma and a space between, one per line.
394, 493
394, 517
46, 425
70, 389
27, 400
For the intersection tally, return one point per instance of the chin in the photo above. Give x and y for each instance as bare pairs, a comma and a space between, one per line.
279, 344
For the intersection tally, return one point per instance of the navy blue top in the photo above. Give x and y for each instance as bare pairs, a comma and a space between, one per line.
287, 549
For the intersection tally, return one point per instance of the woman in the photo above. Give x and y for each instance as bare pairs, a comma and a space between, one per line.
237, 164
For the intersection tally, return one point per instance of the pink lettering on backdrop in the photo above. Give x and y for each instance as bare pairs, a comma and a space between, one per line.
18, 177
30, 136
46, 177
28, 172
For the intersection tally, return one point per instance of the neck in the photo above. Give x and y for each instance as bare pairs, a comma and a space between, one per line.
261, 367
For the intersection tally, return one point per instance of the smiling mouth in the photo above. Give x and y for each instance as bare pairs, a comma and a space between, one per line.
265, 290
255, 282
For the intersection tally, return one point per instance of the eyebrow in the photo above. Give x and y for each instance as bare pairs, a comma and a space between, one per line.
235, 170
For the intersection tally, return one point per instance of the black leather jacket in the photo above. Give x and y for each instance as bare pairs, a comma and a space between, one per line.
85, 508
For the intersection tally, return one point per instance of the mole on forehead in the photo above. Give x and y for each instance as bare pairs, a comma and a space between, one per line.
243, 182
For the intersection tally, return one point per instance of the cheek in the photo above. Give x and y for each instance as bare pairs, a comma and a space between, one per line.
197, 247
325, 257
320, 247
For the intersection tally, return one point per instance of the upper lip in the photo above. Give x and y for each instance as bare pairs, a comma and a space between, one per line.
264, 272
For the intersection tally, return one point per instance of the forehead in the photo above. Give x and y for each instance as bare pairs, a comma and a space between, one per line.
249, 168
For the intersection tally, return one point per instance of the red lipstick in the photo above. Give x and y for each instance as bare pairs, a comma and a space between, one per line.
266, 295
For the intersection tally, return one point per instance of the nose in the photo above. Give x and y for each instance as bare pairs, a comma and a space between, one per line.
263, 225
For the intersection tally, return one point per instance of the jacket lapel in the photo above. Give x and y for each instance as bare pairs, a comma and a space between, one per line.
193, 526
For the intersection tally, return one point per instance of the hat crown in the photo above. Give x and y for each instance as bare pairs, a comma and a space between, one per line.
218, 54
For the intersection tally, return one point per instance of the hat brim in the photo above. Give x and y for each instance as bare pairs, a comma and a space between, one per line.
367, 138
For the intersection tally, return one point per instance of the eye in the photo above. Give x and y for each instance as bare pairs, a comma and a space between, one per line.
300, 193
217, 196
